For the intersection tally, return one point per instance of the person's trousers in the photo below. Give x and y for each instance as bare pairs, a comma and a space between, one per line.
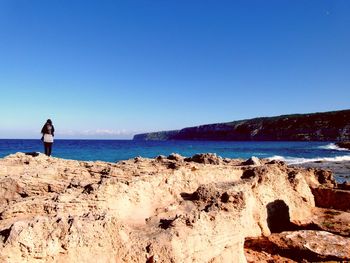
48, 148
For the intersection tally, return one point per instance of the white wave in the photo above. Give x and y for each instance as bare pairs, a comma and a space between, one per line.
332, 146
296, 160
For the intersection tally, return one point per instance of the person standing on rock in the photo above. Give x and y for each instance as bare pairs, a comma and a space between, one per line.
48, 133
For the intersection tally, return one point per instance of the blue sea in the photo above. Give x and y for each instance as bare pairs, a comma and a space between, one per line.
116, 150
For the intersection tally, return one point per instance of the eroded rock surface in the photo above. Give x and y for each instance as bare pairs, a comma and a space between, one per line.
311, 246
168, 209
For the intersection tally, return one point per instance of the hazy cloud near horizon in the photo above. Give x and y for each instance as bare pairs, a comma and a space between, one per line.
72, 134
97, 133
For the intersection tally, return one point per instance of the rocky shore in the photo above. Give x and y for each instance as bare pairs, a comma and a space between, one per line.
170, 209
340, 170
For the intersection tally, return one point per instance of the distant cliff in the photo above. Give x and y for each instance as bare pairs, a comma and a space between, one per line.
156, 136
325, 126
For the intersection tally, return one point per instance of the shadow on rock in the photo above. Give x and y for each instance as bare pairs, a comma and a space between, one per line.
278, 219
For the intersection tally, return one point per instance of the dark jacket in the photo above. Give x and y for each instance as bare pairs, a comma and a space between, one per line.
46, 130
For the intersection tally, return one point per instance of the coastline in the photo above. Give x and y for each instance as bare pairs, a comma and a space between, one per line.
341, 169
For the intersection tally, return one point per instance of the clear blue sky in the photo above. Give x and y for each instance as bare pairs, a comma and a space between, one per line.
109, 69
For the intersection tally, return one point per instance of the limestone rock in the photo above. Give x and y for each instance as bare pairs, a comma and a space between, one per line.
160, 158
313, 245
143, 210
331, 220
205, 158
298, 246
332, 198
175, 157
252, 161
325, 177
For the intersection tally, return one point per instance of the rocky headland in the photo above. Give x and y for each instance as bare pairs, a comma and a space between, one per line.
323, 126
170, 209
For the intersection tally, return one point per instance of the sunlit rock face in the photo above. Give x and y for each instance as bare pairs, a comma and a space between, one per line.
167, 209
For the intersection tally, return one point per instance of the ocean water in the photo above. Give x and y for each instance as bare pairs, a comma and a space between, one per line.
116, 150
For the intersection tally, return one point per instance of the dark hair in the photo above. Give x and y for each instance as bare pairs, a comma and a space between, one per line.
49, 121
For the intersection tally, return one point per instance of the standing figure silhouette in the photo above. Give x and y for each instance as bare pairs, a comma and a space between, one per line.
48, 133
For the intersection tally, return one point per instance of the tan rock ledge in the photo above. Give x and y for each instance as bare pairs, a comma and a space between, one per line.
167, 209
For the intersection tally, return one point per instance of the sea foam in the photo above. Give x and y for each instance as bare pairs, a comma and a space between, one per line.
333, 147
296, 160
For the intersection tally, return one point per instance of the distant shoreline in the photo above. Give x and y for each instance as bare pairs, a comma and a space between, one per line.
319, 126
